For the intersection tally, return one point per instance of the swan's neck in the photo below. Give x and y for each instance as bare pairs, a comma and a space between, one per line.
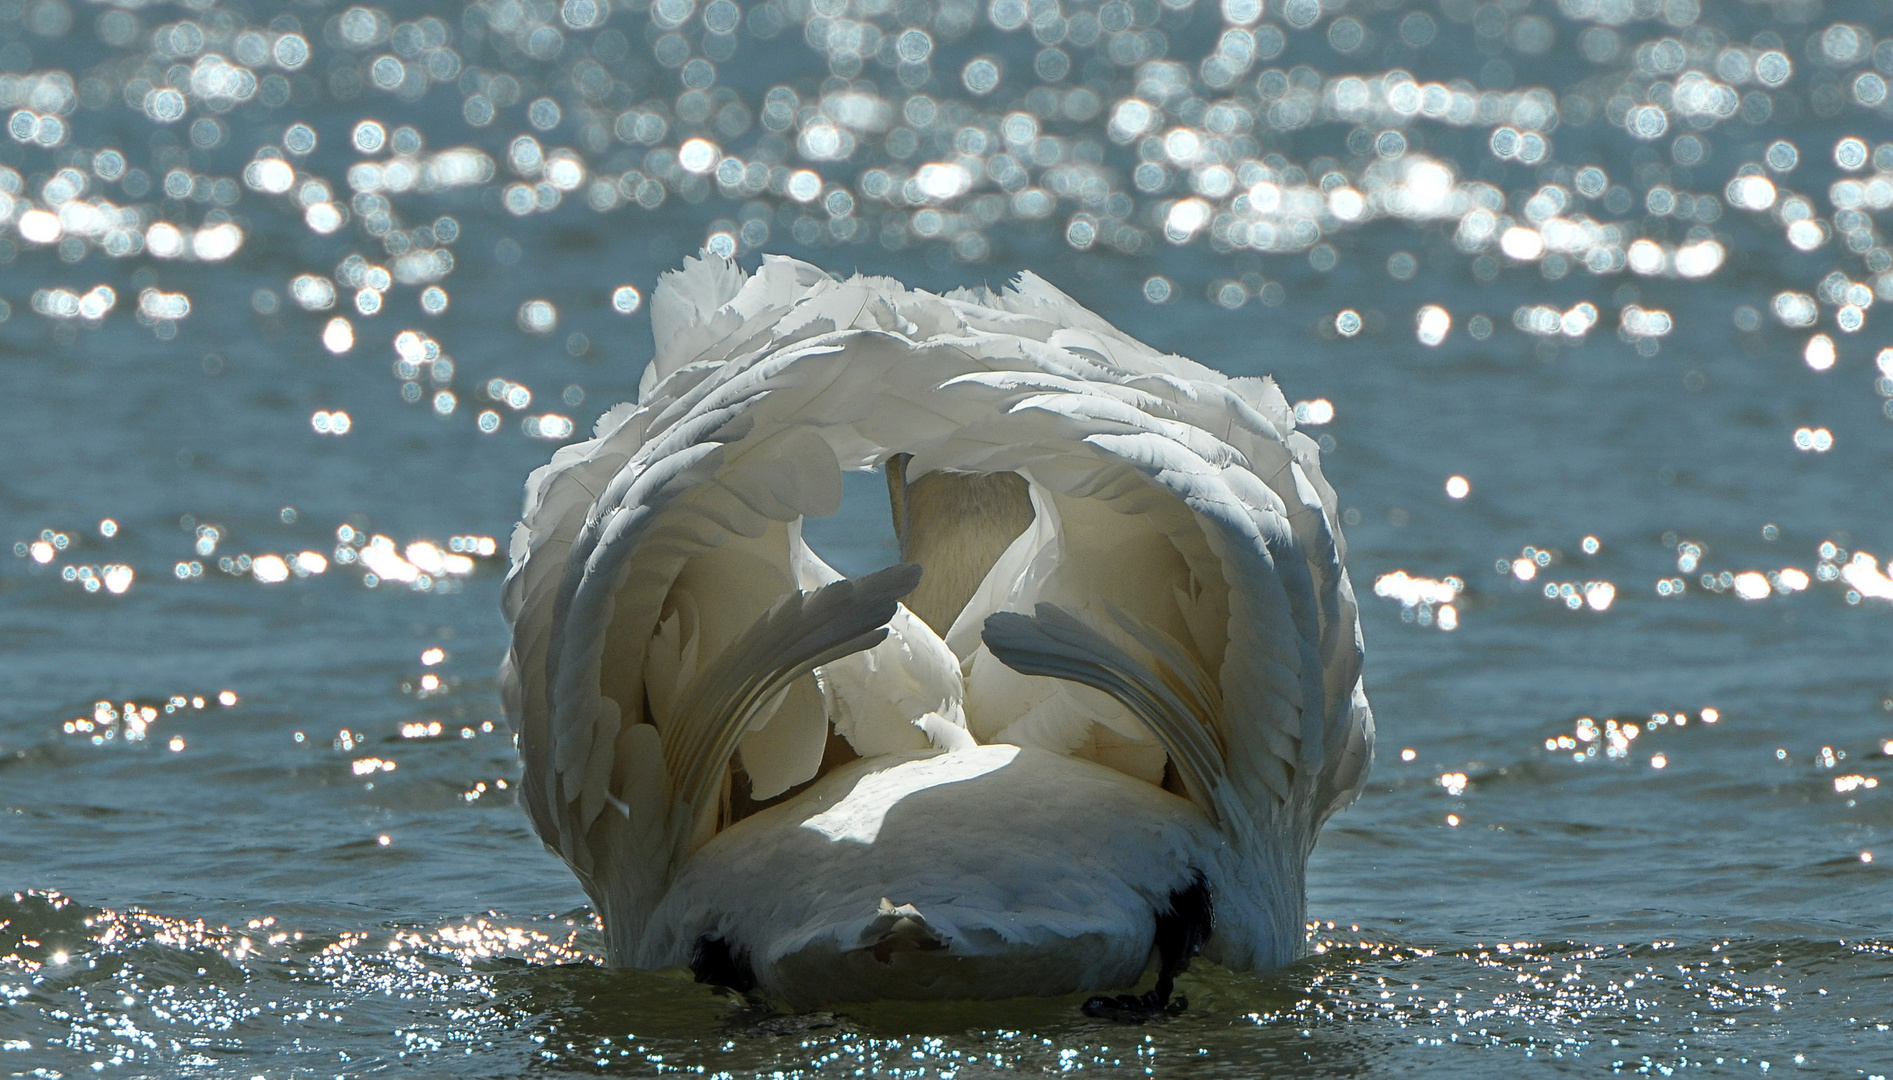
955, 526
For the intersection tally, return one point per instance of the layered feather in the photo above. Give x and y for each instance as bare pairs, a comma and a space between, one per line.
1184, 540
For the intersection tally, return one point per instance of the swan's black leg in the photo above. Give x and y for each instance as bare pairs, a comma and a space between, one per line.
716, 963
1180, 936
1181, 932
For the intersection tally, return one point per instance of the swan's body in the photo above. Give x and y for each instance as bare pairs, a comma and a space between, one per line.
1125, 682
989, 920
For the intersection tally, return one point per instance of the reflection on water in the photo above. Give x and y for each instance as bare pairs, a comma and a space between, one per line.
1123, 126
121, 988
1565, 142
293, 295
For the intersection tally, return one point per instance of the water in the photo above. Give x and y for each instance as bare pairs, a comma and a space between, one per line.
1560, 864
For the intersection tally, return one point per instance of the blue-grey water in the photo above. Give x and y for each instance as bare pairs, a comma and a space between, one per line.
1579, 297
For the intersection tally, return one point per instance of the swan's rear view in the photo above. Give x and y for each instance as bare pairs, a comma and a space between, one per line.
1092, 722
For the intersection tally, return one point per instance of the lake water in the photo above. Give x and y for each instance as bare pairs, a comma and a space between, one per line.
290, 289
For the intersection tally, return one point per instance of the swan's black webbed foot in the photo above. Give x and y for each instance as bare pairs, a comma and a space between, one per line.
1181, 932
1134, 1008
714, 962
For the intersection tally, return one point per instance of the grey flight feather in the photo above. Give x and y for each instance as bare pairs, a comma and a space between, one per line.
1053, 642
800, 632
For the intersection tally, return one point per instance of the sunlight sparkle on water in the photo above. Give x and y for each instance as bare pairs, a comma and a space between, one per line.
338, 336
183, 143
1317, 412
330, 423
1820, 352
1419, 597
1612, 739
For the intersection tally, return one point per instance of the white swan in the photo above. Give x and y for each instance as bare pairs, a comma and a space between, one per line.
1107, 724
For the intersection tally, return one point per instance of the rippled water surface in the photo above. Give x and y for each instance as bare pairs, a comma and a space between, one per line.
1578, 297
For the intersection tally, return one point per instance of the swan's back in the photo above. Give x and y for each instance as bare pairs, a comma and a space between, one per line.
1126, 558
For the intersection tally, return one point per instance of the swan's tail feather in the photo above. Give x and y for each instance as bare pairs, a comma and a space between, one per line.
798, 633
1173, 696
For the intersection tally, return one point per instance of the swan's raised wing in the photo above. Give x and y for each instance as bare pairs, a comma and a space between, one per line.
664, 606
1190, 504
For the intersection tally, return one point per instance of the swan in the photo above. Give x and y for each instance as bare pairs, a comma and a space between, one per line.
1090, 725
